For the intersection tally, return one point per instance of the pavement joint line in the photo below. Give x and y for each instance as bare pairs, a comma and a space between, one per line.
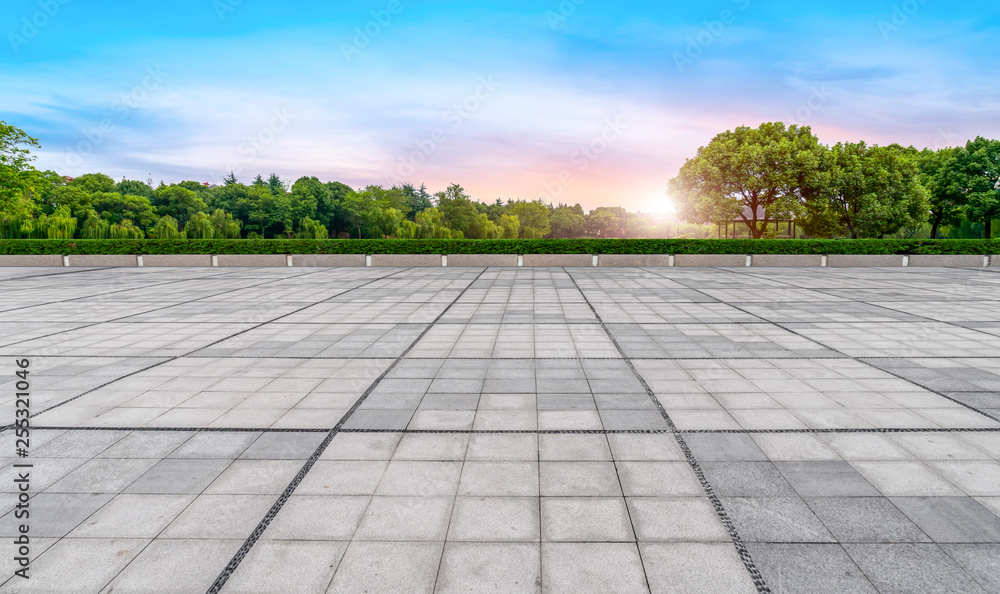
310, 357
251, 540
758, 580
863, 361
153, 429
174, 358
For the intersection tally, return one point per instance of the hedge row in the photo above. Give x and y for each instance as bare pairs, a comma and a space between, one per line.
500, 246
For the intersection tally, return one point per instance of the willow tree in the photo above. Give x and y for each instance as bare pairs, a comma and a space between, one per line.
754, 175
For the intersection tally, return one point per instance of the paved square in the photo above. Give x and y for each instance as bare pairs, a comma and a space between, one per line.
506, 429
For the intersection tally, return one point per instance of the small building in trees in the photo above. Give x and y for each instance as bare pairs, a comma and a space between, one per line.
737, 228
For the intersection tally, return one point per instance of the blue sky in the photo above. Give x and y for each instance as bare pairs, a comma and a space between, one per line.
586, 101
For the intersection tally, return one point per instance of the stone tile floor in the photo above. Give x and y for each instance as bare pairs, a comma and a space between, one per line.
506, 430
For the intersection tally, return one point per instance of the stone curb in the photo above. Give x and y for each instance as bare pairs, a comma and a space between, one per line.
181, 260
864, 261
482, 260
638, 260
504, 260
406, 260
955, 261
29, 260
787, 260
328, 260
251, 260
106, 261
718, 260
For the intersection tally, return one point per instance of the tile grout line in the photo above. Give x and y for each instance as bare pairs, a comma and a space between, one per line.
536, 431
720, 511
251, 540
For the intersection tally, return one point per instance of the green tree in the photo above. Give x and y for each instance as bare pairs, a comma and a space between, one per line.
534, 218
277, 186
945, 192
94, 182
166, 228
116, 208
200, 226
756, 175
19, 181
131, 187
976, 172
226, 227
605, 222
457, 207
566, 223
871, 191
177, 202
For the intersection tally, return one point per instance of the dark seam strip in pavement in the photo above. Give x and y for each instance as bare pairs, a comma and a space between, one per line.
174, 358
720, 511
234, 563
533, 431
303, 357
864, 362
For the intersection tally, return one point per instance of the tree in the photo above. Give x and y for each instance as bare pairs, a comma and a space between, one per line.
94, 182
534, 218
566, 223
131, 187
457, 207
976, 172
177, 202
333, 212
277, 186
225, 226
166, 228
376, 209
200, 226
230, 179
116, 208
18, 179
946, 193
307, 195
871, 191
417, 199
756, 175
604, 222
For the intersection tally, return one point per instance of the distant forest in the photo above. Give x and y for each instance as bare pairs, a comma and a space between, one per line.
754, 177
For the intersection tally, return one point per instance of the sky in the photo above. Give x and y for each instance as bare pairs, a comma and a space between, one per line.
576, 101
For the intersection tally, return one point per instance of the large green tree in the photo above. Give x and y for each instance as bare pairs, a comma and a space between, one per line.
177, 202
868, 191
19, 181
754, 175
976, 170
945, 190
534, 218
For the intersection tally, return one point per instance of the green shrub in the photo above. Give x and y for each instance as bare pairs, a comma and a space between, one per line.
499, 246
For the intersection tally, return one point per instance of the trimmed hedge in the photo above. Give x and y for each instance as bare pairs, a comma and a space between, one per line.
500, 246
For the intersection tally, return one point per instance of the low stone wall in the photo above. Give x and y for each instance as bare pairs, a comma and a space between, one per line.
502, 260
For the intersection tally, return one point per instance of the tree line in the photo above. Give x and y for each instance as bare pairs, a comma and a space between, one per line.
760, 176
44, 204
